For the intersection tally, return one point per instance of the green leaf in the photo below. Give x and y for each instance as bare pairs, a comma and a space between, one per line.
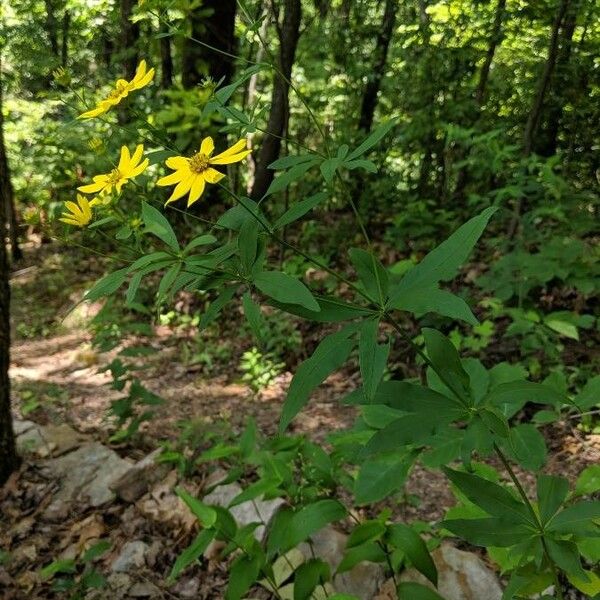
442, 263
372, 139
201, 240
293, 174
256, 489
565, 554
329, 166
512, 396
329, 355
253, 316
286, 289
381, 476
371, 273
488, 531
589, 397
431, 299
551, 493
217, 306
576, 518
588, 481
331, 310
410, 542
192, 553
489, 496
447, 363
157, 224
310, 519
248, 244
107, 285
366, 531
244, 571
416, 591
527, 446
372, 358
66, 565
308, 576
370, 551
205, 514
299, 209
290, 161
95, 551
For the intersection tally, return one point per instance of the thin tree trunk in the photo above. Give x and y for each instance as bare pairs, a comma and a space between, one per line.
271, 143
537, 106
495, 39
130, 35
64, 50
369, 101
211, 51
548, 135
533, 120
52, 27
9, 460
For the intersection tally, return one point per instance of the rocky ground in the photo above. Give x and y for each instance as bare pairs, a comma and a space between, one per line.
75, 489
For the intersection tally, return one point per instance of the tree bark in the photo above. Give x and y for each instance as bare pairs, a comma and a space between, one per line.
64, 50
384, 36
52, 27
495, 39
9, 460
211, 51
537, 106
130, 35
278, 117
546, 143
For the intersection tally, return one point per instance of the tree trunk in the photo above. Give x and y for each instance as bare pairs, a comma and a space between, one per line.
52, 26
533, 120
210, 50
166, 61
548, 134
495, 39
9, 460
130, 35
64, 51
271, 142
369, 101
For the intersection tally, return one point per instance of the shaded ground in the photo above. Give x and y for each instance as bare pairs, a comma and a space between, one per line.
56, 379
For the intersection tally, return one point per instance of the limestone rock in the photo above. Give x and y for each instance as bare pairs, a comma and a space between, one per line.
362, 581
143, 589
85, 476
253, 511
461, 576
135, 482
132, 556
45, 441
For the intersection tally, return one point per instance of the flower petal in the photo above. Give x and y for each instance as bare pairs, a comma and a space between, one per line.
124, 160
222, 159
175, 177
95, 112
92, 188
140, 168
213, 176
137, 155
177, 162
196, 189
207, 146
74, 208
181, 189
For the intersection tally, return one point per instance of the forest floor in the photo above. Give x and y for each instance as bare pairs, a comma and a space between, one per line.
57, 379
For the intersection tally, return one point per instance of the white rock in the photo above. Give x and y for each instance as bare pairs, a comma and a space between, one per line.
461, 576
135, 482
253, 511
132, 556
85, 476
362, 581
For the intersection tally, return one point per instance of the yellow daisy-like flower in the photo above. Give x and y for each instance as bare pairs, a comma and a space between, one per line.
128, 168
120, 91
81, 213
192, 174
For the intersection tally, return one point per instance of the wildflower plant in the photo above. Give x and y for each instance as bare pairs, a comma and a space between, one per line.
459, 414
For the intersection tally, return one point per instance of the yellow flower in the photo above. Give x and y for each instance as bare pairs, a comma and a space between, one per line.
120, 91
81, 213
192, 174
128, 168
